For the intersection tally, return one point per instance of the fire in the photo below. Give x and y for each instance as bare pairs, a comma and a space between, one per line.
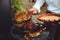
23, 16
35, 34
31, 30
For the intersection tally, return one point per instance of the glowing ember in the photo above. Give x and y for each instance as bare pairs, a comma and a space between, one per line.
35, 34
23, 16
29, 27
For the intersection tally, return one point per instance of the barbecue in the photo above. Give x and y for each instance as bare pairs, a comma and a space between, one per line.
25, 27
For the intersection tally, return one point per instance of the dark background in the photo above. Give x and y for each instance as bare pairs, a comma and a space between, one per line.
5, 20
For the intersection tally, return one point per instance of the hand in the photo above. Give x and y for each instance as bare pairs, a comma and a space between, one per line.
33, 10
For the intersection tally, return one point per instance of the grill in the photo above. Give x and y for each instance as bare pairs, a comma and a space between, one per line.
17, 35
28, 30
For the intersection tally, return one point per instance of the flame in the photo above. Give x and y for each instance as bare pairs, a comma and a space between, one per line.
29, 31
35, 34
28, 25
23, 16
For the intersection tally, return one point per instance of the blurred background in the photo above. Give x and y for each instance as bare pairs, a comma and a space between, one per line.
29, 3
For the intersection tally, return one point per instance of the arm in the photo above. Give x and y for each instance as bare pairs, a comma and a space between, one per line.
38, 5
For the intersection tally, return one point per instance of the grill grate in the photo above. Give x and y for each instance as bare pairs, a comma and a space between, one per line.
16, 36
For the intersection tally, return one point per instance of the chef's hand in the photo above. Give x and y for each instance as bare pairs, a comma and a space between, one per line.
33, 10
